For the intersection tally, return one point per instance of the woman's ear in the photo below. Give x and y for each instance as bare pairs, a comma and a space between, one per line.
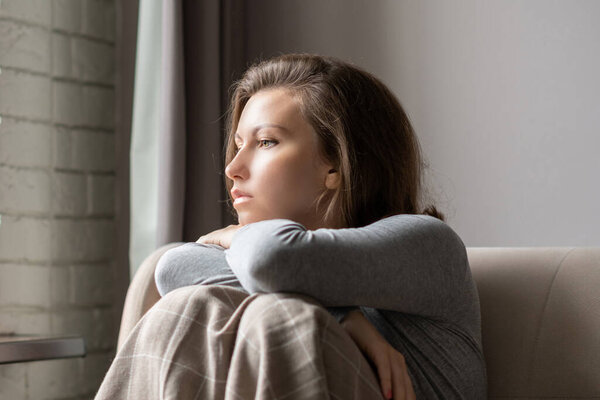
332, 181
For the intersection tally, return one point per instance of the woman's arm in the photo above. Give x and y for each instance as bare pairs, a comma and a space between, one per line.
193, 264
204, 264
409, 263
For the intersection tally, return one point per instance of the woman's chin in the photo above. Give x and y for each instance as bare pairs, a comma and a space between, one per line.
245, 218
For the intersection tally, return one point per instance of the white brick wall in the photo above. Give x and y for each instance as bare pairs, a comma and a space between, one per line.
34, 11
25, 144
25, 95
13, 381
24, 239
92, 61
84, 150
67, 15
57, 188
25, 190
25, 46
99, 19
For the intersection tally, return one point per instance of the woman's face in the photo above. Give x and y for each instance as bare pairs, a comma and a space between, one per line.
277, 163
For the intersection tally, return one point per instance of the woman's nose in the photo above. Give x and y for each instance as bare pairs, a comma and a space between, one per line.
236, 167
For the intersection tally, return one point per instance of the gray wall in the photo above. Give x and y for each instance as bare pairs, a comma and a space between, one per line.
504, 95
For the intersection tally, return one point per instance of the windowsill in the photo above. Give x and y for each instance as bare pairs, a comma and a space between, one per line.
21, 348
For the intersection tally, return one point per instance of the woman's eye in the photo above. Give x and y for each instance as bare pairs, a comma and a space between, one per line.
262, 143
267, 141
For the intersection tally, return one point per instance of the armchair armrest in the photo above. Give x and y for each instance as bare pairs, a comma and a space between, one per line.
142, 292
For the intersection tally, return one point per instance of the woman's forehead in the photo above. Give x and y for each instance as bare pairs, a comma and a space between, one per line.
273, 105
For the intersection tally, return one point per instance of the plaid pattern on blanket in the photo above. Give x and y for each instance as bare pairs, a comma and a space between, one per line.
217, 342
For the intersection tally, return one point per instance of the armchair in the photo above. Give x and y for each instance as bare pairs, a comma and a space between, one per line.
540, 312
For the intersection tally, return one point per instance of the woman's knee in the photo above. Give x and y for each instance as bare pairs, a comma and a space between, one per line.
272, 313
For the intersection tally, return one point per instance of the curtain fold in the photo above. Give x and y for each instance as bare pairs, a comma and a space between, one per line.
204, 53
144, 134
172, 132
127, 24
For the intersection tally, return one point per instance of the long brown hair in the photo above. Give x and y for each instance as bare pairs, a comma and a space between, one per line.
362, 128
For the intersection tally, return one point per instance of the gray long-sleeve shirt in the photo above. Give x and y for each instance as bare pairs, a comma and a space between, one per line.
408, 274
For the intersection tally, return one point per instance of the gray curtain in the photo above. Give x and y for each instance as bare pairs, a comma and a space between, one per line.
127, 16
203, 53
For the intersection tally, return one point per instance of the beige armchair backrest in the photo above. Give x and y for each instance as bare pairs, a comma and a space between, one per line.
540, 310
540, 318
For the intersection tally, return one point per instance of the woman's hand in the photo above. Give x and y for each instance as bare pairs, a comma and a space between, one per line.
222, 237
391, 368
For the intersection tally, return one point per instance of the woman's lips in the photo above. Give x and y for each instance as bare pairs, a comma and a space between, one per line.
239, 196
241, 199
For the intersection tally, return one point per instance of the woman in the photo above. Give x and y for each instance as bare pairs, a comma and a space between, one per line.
324, 171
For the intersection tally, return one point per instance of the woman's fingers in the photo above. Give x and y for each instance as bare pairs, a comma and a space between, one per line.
393, 374
384, 371
398, 380
221, 237
390, 364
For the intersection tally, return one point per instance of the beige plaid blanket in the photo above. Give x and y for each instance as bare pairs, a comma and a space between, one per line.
217, 342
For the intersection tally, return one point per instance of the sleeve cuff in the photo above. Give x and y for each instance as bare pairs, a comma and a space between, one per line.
340, 312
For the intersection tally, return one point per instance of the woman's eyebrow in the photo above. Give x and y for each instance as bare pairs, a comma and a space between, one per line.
261, 126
